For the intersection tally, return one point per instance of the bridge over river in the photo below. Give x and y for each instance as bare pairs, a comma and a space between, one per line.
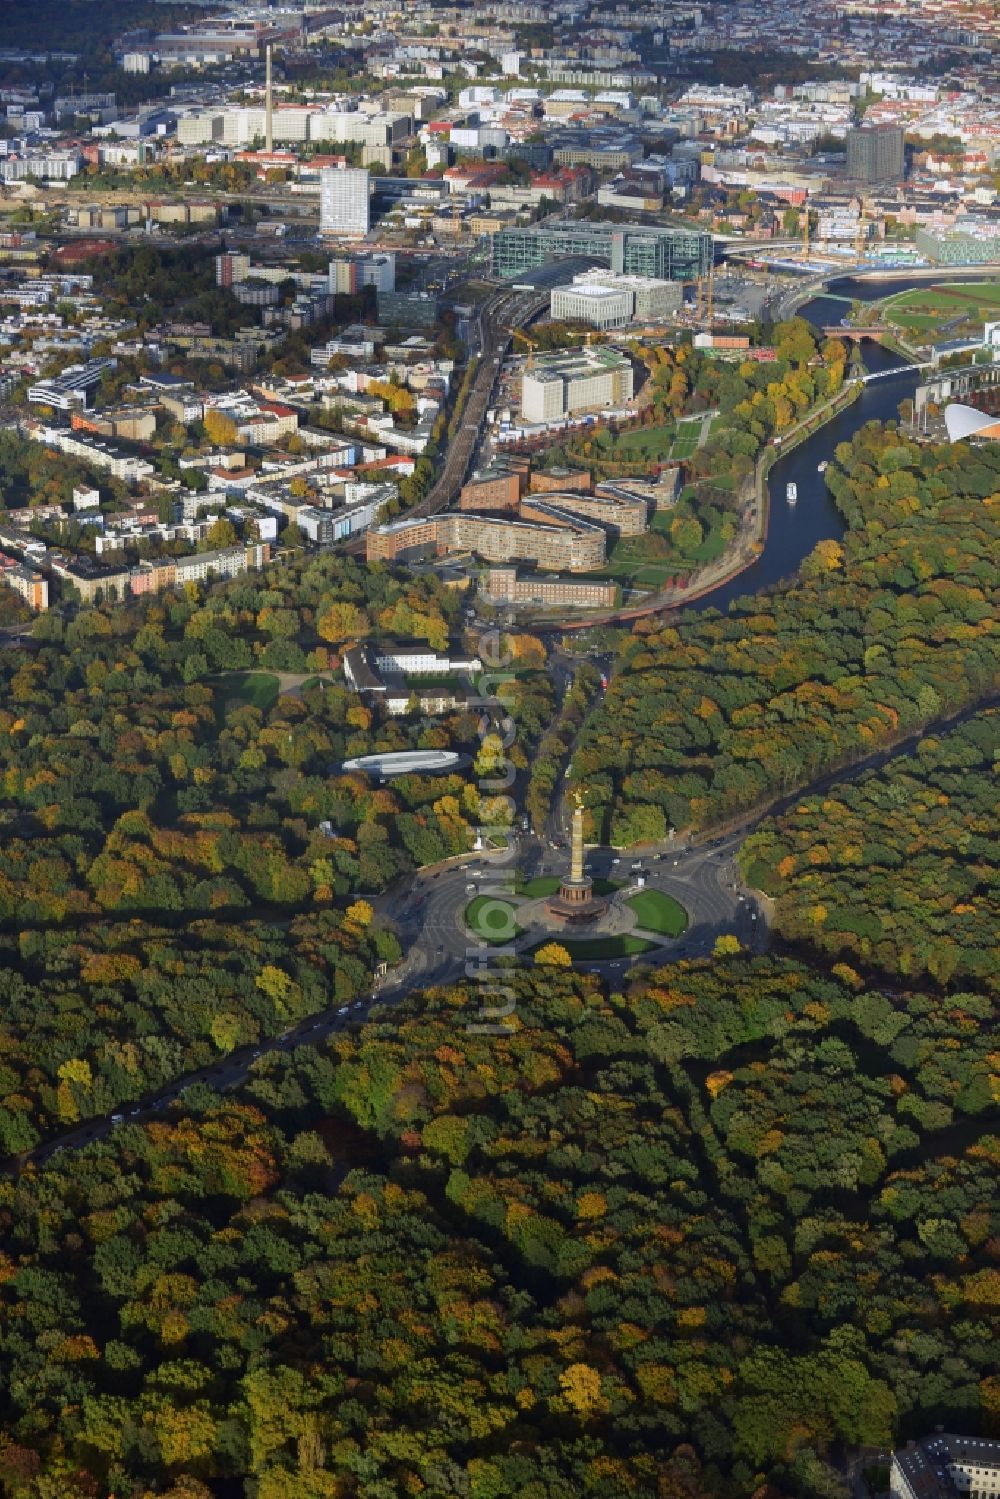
856, 332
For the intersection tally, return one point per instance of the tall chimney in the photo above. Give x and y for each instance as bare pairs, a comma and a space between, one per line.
268, 107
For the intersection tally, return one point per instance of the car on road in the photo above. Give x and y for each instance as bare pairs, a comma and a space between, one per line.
117, 1118
343, 1009
470, 888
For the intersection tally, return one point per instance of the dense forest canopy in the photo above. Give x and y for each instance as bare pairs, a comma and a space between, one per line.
182, 871
898, 869
678, 1241
710, 716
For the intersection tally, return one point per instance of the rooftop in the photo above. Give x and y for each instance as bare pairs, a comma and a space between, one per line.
930, 1466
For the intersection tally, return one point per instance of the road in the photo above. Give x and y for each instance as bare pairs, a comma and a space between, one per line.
230, 1072
494, 328
492, 331
704, 879
428, 914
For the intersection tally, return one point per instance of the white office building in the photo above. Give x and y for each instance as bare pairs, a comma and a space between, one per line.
344, 202
73, 388
652, 297
378, 271
599, 306
560, 385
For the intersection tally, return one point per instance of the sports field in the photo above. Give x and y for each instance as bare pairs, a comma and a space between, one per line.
944, 310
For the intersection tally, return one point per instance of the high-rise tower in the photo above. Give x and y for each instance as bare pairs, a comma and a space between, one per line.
268, 105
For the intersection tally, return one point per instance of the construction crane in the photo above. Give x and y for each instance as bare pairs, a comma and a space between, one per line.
522, 337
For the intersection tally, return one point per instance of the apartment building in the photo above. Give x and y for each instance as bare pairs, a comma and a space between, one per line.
496, 490
128, 423
623, 515
32, 585
226, 563
505, 585
269, 422
941, 1466
153, 577
235, 353
231, 269
344, 201
558, 480
551, 538
99, 454
348, 275
93, 584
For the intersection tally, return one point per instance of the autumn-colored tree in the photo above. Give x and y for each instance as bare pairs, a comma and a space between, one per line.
553, 955
220, 429
581, 1388
341, 621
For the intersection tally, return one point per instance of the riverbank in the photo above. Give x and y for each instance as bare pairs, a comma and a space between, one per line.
751, 544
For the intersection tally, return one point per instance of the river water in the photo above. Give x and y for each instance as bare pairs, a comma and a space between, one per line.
794, 531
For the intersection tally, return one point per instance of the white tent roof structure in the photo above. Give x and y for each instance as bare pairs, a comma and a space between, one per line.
965, 421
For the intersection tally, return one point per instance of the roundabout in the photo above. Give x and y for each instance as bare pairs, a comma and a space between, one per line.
607, 920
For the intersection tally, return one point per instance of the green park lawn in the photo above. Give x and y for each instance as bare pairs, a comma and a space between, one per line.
645, 442
657, 912
492, 919
249, 689
641, 574
543, 884
585, 950
548, 884
987, 293
926, 309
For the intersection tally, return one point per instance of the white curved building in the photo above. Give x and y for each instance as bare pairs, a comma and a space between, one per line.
405, 762
963, 422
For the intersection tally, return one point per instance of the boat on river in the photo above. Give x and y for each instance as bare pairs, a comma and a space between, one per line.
792, 494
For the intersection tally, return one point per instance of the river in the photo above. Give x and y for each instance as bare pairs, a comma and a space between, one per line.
794, 531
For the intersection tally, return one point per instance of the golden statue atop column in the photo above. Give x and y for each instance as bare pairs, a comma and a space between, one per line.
576, 901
